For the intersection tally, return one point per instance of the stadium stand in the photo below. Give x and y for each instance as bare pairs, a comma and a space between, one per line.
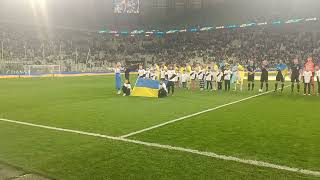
79, 51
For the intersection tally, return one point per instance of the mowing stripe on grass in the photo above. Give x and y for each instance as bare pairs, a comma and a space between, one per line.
195, 114
174, 148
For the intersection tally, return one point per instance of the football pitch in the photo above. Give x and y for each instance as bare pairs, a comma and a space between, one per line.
78, 128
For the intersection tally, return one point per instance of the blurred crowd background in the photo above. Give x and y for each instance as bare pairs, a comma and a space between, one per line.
84, 51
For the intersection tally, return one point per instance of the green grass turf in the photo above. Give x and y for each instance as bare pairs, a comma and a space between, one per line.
90, 104
281, 129
61, 155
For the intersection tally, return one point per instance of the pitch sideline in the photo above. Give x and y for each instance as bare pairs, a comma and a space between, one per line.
194, 114
180, 149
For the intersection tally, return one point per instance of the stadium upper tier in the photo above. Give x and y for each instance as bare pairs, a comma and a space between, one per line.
76, 50
161, 32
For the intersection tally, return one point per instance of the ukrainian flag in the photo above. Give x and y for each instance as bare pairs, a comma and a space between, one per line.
146, 88
283, 68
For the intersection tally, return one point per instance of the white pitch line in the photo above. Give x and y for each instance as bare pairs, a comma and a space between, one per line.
174, 148
227, 158
192, 115
58, 129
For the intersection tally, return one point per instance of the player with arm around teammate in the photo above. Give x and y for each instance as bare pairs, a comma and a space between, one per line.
141, 72
201, 76
309, 66
219, 79
162, 74
209, 78
227, 77
280, 77
193, 78
307, 75
171, 75
184, 79
251, 75
264, 76
240, 76
234, 77
215, 69
295, 71
188, 69
153, 74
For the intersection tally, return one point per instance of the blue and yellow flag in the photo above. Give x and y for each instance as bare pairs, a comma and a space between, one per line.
146, 88
283, 68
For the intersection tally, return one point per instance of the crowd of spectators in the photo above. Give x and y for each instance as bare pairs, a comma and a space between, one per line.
91, 51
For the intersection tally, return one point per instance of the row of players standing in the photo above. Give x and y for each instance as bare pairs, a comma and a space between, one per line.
297, 72
213, 76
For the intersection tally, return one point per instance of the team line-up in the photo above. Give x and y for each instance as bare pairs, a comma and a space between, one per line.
212, 77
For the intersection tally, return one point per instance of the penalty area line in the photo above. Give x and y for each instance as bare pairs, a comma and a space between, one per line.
194, 114
174, 148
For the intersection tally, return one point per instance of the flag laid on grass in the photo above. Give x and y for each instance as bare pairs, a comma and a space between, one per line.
146, 88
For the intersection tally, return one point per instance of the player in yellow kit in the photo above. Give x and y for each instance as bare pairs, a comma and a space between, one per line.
240, 76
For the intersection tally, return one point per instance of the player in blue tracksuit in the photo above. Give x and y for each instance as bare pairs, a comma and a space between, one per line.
117, 71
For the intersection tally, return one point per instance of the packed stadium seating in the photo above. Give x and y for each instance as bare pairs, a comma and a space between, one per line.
89, 51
